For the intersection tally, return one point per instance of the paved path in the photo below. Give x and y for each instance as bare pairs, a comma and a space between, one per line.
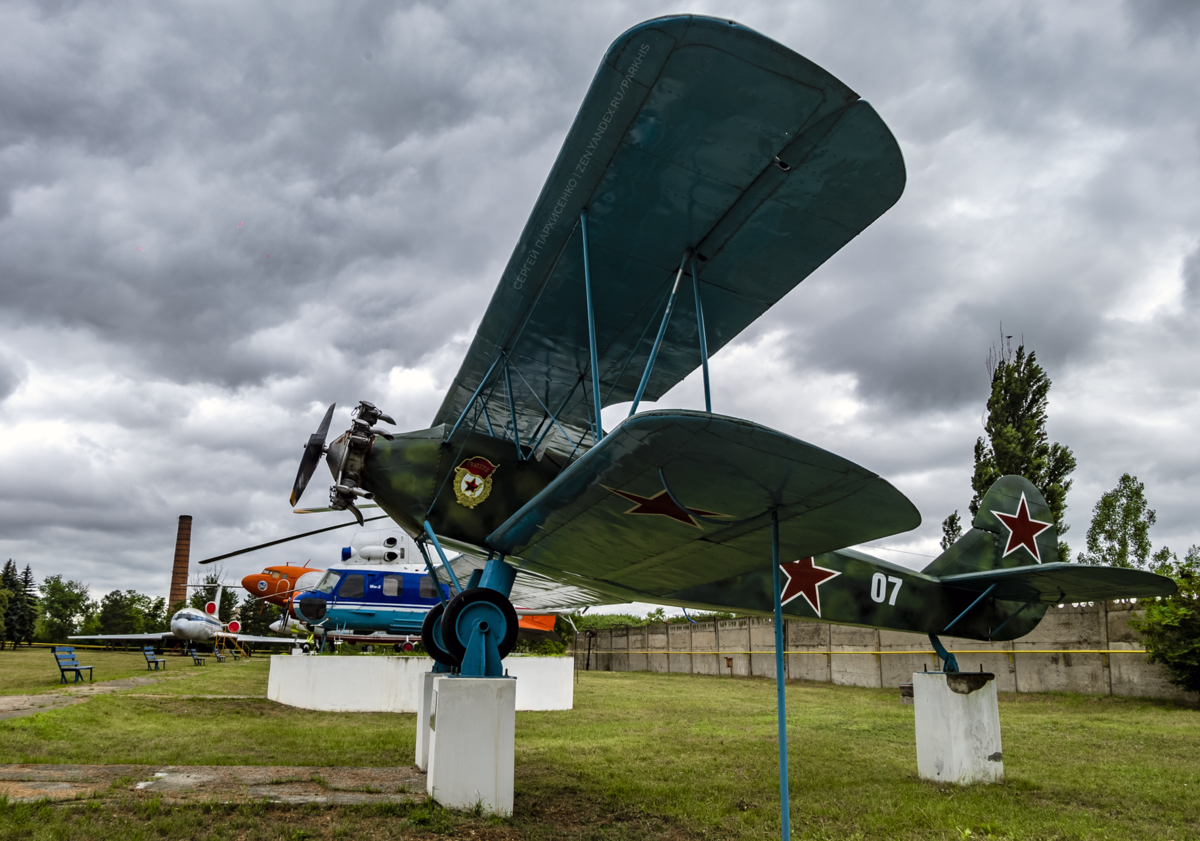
225, 783
19, 706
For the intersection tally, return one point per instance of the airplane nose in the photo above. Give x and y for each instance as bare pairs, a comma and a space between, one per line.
311, 609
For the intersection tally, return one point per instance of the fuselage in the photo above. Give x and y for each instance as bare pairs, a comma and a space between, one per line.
275, 584
369, 597
195, 625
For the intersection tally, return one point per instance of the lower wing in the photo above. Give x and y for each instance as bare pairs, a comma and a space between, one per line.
675, 499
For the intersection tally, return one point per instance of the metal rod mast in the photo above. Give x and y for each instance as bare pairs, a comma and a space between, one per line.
785, 814
703, 337
598, 430
662, 330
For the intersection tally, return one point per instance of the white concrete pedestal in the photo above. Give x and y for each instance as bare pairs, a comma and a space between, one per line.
472, 742
424, 706
958, 727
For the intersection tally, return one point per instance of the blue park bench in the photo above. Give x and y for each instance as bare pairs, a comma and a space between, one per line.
197, 660
222, 652
152, 660
64, 655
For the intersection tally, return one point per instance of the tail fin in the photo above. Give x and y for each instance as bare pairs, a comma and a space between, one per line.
1014, 527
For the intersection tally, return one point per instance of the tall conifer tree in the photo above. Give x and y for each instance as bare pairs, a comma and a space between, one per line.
1015, 440
29, 619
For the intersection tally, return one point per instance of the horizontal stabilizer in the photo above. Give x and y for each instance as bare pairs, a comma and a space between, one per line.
1059, 583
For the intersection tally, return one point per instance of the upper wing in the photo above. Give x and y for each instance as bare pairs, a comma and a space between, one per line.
531, 590
673, 499
158, 636
1059, 583
696, 134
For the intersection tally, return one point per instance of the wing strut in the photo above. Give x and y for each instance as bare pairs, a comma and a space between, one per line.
1009, 619
441, 554
598, 429
474, 396
703, 336
437, 584
662, 330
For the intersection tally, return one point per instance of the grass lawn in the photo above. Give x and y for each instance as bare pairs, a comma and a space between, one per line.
646, 756
33, 671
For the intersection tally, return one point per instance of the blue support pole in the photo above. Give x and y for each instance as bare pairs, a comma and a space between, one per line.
471, 402
662, 330
785, 814
498, 576
591, 315
442, 555
703, 337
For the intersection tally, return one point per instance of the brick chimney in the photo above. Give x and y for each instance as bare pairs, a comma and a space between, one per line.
179, 572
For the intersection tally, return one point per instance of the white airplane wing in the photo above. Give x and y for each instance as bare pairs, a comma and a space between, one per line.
263, 640
125, 637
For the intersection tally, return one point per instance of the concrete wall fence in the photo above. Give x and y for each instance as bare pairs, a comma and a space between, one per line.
1088, 648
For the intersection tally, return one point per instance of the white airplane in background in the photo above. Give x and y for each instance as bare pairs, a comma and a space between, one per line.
194, 626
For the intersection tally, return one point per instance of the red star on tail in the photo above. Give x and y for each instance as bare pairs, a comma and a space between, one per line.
1022, 530
804, 578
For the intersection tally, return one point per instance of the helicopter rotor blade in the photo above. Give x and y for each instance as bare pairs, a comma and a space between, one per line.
286, 539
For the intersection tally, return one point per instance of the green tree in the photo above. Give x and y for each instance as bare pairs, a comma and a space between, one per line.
5, 598
203, 595
951, 530
13, 617
1170, 627
256, 617
1016, 442
1119, 535
65, 605
30, 614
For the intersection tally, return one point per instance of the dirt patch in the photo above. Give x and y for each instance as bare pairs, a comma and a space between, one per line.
223, 783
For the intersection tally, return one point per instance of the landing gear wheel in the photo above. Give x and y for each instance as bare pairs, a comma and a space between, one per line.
464, 608
431, 638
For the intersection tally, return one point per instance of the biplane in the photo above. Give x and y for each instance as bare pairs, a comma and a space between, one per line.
708, 172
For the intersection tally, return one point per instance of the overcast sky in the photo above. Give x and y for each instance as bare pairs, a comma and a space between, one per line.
217, 218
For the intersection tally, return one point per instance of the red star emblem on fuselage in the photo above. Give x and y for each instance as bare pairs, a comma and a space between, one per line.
471, 484
1022, 530
804, 578
662, 505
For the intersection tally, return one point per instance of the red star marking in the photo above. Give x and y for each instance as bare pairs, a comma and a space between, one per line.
804, 578
1022, 530
664, 506
471, 484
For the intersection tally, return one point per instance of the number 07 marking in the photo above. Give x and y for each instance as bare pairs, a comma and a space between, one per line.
879, 583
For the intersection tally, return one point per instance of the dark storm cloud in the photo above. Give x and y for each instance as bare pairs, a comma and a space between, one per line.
154, 360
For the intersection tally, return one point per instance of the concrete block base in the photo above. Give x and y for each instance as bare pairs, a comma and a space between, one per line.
393, 684
472, 743
958, 727
424, 706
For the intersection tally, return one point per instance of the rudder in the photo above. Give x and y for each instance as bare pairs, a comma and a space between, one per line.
1013, 517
